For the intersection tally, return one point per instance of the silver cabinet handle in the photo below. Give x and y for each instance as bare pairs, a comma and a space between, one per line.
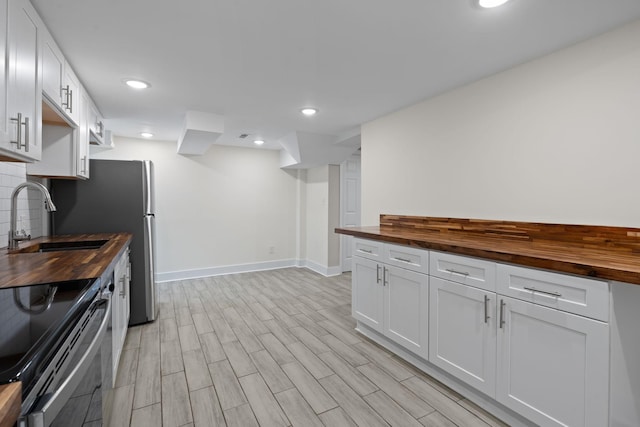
502, 321
486, 309
366, 251
462, 273
100, 126
66, 103
408, 261
377, 273
26, 134
84, 165
71, 101
385, 280
18, 140
123, 291
534, 290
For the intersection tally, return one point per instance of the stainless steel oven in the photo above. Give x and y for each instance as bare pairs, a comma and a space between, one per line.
65, 364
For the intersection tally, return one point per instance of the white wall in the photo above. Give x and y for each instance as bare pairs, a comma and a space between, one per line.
218, 212
553, 140
322, 217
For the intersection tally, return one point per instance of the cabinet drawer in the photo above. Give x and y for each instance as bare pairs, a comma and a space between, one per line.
367, 248
465, 270
579, 295
413, 259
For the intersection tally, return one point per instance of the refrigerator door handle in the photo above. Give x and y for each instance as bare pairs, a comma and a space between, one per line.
148, 187
149, 253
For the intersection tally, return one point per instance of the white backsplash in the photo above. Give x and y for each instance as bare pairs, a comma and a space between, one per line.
30, 203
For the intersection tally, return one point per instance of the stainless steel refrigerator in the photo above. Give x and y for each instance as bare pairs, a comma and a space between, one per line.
118, 197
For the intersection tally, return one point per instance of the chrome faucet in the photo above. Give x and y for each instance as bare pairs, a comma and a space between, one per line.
14, 236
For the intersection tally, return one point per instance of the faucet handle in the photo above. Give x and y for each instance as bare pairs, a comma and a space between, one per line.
21, 235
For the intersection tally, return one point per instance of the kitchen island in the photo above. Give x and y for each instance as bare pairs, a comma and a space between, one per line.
535, 322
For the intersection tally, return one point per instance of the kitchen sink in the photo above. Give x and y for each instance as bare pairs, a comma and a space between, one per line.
63, 246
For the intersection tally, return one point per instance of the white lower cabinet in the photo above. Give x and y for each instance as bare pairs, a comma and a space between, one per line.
406, 308
553, 367
366, 293
462, 333
120, 308
392, 301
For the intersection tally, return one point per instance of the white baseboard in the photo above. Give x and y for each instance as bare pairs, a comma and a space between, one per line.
321, 269
226, 269
246, 268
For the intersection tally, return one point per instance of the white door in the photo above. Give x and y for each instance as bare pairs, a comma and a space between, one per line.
552, 366
406, 310
349, 205
462, 333
366, 292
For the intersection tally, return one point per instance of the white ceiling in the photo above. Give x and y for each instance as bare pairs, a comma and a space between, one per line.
258, 62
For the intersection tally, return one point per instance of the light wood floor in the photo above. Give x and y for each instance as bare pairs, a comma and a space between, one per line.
272, 348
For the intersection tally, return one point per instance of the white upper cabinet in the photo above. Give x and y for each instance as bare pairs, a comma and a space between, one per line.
4, 125
52, 70
21, 122
95, 123
60, 86
71, 94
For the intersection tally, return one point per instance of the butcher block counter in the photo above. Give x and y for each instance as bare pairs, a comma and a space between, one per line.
609, 253
9, 404
24, 268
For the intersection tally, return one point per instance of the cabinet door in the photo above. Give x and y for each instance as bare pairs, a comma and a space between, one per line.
24, 85
96, 124
52, 70
366, 292
406, 308
119, 321
71, 94
5, 138
82, 158
552, 366
462, 333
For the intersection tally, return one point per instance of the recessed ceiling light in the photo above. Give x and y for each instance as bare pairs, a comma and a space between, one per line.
146, 134
308, 111
258, 142
491, 3
137, 84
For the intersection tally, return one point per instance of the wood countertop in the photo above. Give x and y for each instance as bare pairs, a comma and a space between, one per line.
10, 402
608, 253
24, 268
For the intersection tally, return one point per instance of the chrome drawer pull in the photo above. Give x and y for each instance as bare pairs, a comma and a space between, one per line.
385, 280
502, 321
366, 251
462, 273
408, 261
534, 290
377, 273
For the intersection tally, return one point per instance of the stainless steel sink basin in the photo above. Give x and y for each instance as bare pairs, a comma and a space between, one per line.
63, 246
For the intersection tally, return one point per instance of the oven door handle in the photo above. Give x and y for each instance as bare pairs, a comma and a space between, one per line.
49, 407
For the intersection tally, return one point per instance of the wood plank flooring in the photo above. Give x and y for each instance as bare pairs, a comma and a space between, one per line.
274, 348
